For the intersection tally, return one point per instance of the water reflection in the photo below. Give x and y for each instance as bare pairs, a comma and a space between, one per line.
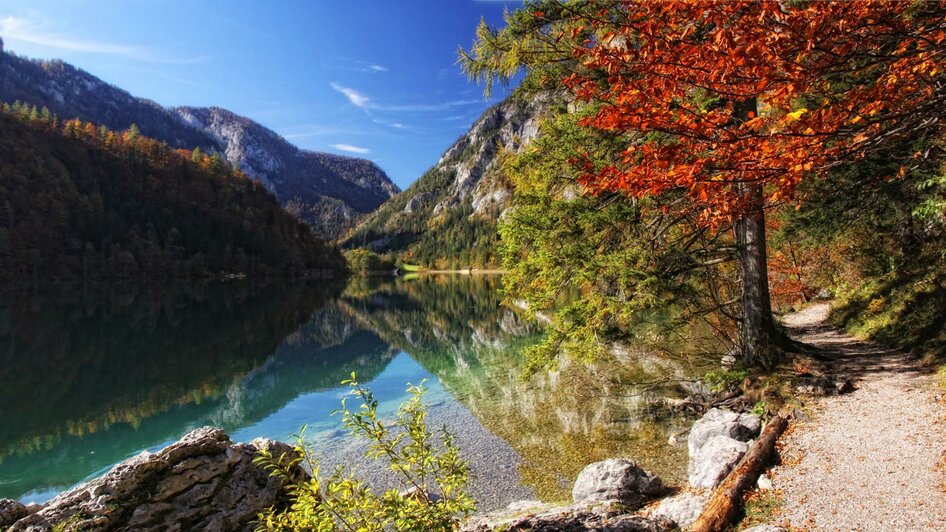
89, 377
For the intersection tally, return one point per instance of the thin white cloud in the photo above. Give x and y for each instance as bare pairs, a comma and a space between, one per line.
15, 29
362, 101
396, 125
316, 130
356, 98
350, 149
377, 68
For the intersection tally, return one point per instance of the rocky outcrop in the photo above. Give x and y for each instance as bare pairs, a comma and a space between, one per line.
465, 189
202, 482
616, 481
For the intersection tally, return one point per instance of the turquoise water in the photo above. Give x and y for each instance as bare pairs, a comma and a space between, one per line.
93, 377
90, 376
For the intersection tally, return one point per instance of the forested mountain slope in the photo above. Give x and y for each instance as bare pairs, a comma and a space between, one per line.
448, 216
81, 201
327, 191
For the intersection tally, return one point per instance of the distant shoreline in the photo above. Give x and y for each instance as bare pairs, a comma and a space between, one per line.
477, 271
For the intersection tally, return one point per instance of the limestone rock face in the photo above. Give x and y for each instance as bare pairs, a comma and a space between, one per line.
202, 482
615, 480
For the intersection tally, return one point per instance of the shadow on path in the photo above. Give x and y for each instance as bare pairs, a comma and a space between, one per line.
848, 358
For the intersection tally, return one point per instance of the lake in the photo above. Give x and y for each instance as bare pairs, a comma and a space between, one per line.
92, 375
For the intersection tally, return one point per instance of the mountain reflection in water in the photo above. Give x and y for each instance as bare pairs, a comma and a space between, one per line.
90, 376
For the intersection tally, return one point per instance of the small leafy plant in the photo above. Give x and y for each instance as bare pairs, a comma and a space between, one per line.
432, 476
722, 380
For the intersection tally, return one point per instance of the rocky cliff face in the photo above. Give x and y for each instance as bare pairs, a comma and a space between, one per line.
453, 208
329, 192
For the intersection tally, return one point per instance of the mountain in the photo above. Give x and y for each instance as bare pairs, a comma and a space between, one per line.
80, 201
448, 217
328, 191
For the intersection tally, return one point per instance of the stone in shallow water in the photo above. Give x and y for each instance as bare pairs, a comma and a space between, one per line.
714, 460
616, 480
202, 482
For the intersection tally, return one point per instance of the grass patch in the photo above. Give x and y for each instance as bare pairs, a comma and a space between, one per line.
762, 507
941, 377
904, 309
409, 267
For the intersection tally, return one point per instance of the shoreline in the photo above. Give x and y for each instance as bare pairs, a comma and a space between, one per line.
484, 271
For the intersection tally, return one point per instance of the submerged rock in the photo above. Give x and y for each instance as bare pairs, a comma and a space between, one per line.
202, 482
616, 481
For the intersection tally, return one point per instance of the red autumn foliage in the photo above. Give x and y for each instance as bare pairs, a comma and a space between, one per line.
830, 80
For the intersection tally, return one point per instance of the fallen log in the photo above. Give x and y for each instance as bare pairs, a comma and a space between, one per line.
726, 501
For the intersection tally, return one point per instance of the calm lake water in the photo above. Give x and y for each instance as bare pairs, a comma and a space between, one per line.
90, 376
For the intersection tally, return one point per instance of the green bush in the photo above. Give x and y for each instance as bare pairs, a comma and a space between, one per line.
723, 380
363, 262
431, 474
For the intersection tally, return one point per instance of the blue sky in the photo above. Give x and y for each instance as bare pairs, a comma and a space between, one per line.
376, 79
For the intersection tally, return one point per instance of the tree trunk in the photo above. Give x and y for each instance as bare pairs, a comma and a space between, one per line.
758, 336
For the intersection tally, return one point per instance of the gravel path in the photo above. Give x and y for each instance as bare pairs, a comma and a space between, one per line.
870, 460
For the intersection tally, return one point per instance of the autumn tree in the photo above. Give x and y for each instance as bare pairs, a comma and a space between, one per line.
732, 104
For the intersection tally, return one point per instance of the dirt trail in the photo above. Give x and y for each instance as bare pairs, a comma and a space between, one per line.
871, 459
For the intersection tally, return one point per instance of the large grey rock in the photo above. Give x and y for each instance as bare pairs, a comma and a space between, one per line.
11, 511
716, 422
714, 460
202, 482
682, 509
615, 481
574, 518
